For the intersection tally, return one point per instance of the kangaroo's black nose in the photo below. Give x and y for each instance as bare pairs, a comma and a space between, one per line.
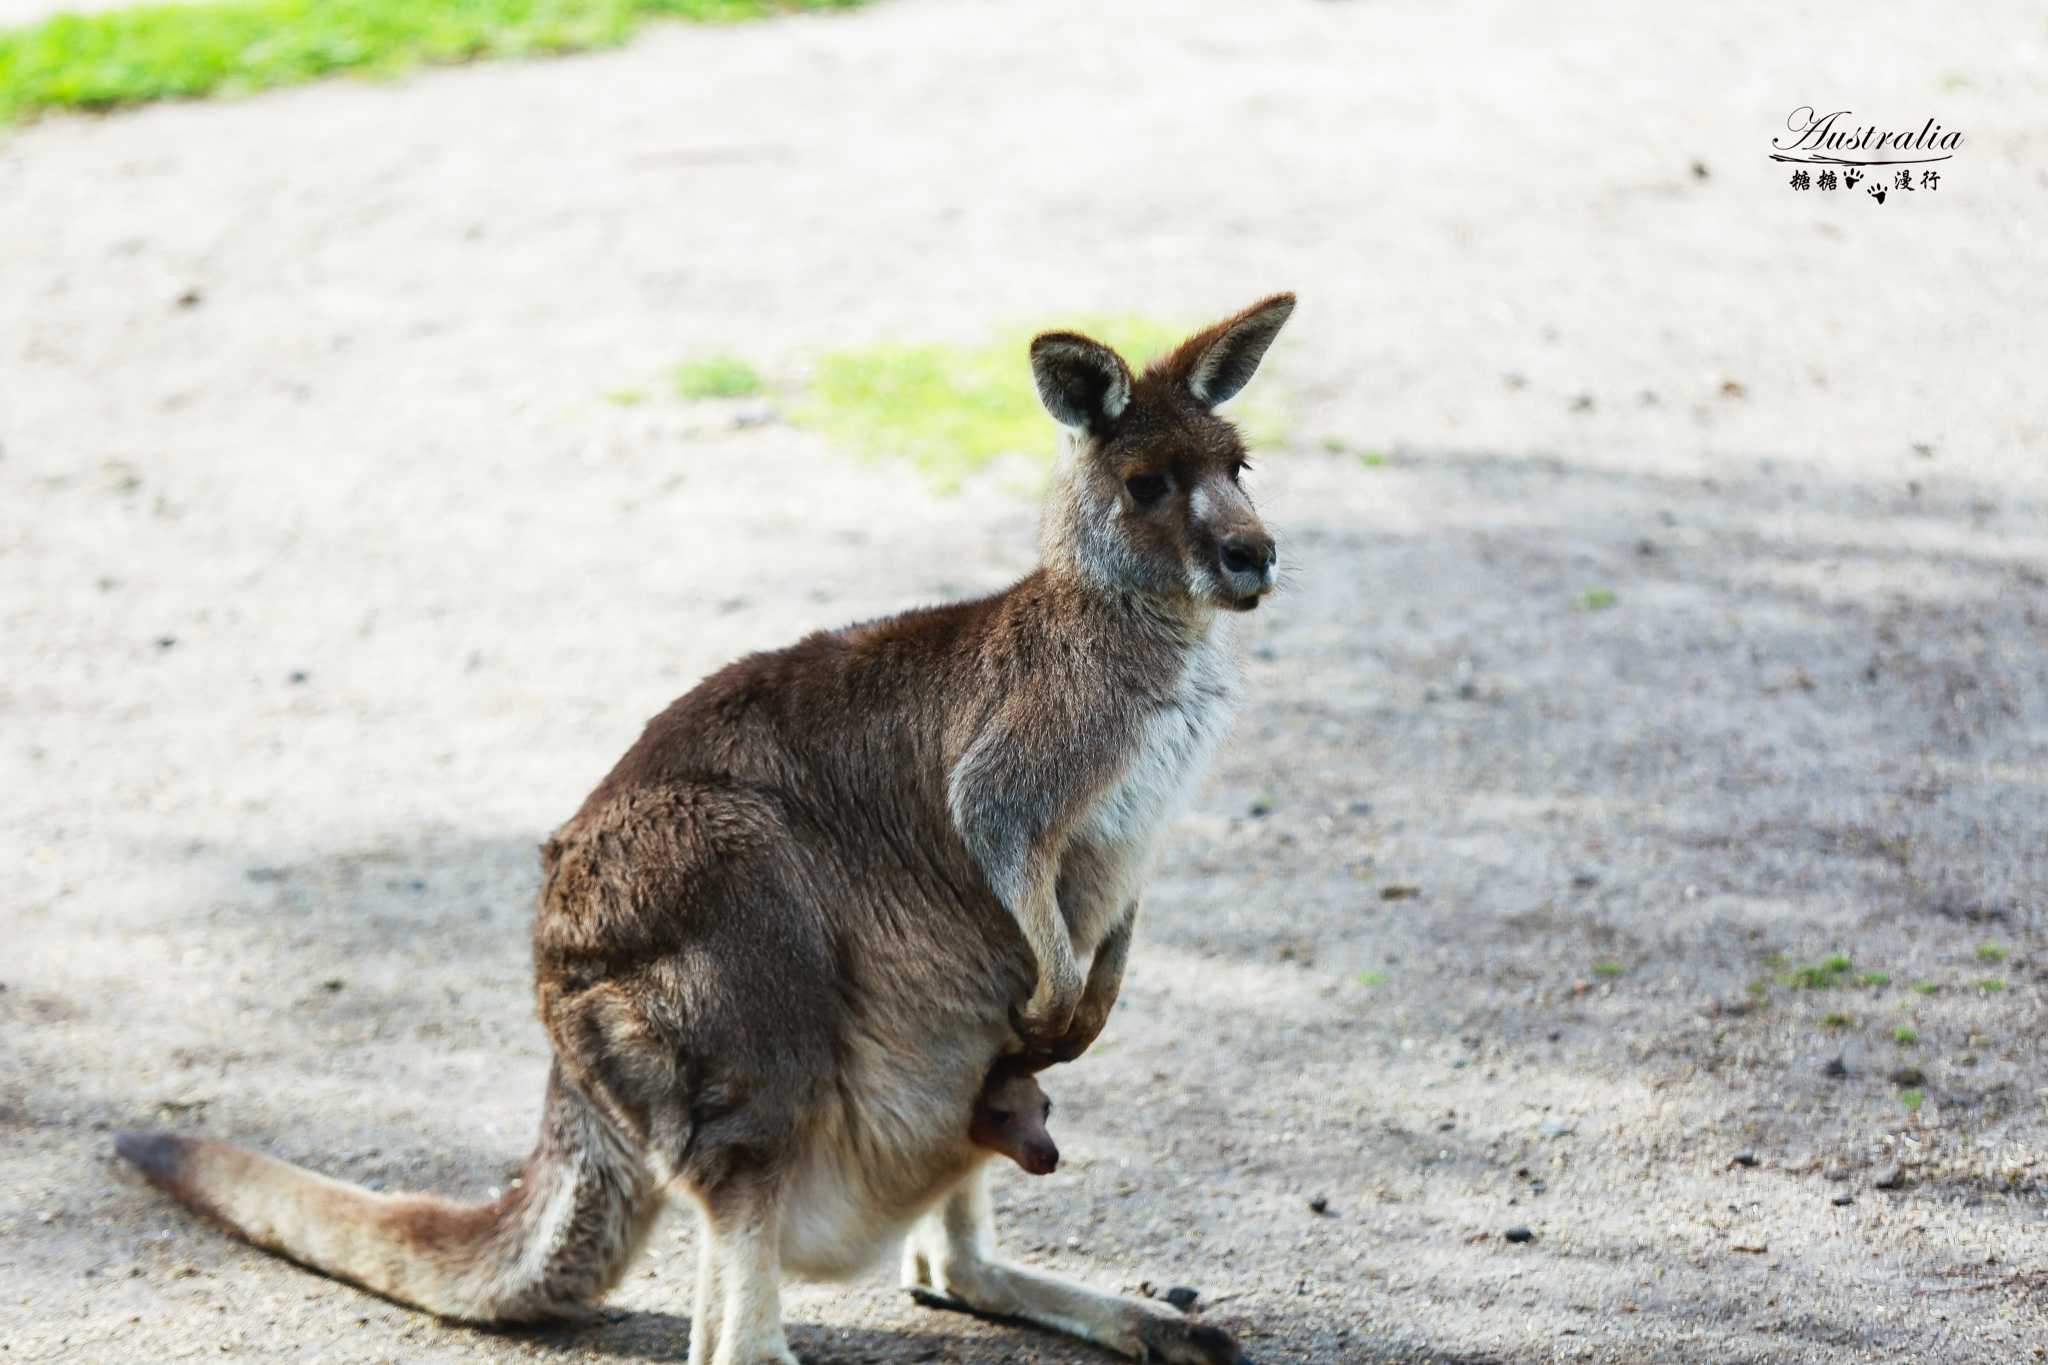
1244, 554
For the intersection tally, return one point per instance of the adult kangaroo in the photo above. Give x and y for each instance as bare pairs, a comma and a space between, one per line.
780, 947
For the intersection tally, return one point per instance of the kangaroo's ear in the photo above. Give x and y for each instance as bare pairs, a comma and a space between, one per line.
1215, 364
1082, 383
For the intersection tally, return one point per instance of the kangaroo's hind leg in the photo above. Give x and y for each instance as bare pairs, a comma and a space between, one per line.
950, 1261
737, 1315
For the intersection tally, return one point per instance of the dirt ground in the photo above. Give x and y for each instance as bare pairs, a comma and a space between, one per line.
330, 584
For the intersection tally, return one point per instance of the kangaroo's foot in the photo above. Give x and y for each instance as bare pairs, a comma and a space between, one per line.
949, 1262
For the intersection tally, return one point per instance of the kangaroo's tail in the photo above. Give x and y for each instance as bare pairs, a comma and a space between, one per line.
559, 1238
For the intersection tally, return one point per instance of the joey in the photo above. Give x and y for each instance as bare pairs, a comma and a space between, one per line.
1010, 1116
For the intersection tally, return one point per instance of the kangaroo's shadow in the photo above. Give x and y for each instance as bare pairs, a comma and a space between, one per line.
658, 1336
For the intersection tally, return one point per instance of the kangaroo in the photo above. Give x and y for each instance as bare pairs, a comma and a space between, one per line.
781, 946
1009, 1119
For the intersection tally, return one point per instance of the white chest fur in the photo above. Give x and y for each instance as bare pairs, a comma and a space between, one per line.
1128, 822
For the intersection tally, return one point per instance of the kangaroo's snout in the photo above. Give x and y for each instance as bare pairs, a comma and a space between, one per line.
1248, 560
1039, 1156
1244, 554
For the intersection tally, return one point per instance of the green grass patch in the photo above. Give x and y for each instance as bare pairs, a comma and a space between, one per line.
1371, 459
1926, 987
1992, 952
625, 398
1991, 983
171, 51
718, 376
1597, 599
1370, 978
949, 409
1905, 1035
1876, 978
1836, 1019
1912, 1099
1820, 976
1608, 967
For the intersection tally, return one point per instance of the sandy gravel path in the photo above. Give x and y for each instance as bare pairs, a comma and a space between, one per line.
329, 584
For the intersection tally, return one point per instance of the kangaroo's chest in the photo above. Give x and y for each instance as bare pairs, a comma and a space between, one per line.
1125, 827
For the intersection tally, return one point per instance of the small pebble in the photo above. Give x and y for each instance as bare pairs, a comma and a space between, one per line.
1745, 1158
1519, 1234
1835, 1069
1319, 1204
1843, 1200
1890, 1178
1553, 1128
1182, 1297
1907, 1075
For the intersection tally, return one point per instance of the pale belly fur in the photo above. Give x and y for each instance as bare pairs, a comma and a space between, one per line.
865, 1180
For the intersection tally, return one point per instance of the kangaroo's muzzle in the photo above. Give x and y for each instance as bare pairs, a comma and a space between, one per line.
1248, 562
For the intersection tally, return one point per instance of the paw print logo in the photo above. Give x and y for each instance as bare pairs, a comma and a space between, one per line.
1877, 193
1849, 179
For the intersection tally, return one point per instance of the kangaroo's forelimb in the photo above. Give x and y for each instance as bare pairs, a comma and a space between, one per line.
1016, 808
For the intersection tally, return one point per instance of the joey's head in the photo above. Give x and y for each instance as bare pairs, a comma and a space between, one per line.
1147, 500
1009, 1118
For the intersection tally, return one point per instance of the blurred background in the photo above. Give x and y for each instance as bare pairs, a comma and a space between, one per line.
1635, 833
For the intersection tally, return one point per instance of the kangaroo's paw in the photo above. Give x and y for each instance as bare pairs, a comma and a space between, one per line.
1193, 1343
1050, 1039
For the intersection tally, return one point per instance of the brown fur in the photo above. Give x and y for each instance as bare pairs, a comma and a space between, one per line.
781, 946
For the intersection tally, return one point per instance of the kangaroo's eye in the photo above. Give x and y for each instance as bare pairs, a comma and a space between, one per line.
1001, 1118
1146, 488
